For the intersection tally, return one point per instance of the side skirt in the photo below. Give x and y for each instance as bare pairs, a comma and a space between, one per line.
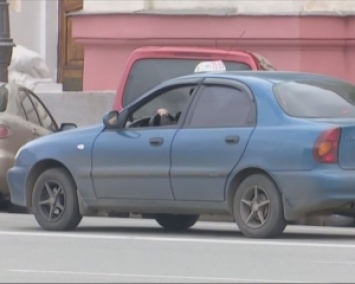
95, 207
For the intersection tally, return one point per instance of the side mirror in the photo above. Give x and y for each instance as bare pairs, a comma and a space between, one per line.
110, 119
67, 126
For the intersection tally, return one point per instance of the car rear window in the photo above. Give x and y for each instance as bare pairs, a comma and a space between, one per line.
316, 99
3, 97
148, 73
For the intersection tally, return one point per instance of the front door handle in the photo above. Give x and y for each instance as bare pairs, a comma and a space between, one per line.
156, 141
232, 139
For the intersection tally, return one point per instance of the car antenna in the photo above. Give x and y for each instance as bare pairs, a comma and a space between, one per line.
233, 45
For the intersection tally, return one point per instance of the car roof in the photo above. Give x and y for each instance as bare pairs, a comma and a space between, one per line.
250, 78
271, 77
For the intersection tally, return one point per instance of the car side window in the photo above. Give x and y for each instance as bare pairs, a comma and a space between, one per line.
21, 111
43, 114
174, 101
220, 106
27, 105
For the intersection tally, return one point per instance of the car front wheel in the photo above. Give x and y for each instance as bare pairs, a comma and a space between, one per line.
54, 201
258, 208
176, 222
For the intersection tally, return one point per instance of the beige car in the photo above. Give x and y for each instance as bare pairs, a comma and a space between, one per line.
23, 117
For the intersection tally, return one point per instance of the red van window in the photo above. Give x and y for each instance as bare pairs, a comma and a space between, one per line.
148, 73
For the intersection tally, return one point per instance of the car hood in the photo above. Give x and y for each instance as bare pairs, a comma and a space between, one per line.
85, 134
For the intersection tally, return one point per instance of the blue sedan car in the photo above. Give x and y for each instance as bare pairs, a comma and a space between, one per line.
268, 148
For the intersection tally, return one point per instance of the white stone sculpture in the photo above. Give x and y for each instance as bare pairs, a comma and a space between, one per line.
29, 69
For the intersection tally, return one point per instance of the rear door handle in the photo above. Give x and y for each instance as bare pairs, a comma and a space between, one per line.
156, 141
232, 139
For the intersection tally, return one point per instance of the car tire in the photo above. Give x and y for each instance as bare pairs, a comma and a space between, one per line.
262, 217
172, 222
58, 211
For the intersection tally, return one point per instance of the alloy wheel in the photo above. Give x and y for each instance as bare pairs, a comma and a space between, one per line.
255, 207
52, 201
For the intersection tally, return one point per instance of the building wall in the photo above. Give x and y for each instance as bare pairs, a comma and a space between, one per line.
41, 16
34, 24
258, 7
298, 35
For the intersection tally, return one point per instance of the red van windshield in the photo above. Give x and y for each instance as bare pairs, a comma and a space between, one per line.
148, 73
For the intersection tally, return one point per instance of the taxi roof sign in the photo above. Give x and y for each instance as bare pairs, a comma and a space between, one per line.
210, 66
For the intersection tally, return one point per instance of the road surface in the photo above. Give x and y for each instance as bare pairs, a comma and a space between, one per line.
134, 250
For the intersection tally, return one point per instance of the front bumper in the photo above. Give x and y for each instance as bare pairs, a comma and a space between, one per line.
16, 179
316, 192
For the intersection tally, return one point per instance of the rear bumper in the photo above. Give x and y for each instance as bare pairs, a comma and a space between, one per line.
6, 162
16, 178
313, 192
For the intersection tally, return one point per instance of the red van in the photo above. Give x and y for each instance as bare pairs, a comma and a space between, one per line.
150, 66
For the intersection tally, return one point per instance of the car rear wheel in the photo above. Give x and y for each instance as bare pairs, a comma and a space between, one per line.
258, 208
176, 222
54, 201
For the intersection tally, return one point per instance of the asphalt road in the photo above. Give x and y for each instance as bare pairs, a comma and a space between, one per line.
131, 250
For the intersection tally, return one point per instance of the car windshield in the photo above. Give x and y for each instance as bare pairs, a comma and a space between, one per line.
3, 97
316, 98
148, 73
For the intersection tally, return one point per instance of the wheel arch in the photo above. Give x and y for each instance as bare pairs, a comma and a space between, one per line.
238, 179
37, 170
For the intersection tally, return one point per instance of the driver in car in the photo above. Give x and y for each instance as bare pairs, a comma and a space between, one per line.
165, 117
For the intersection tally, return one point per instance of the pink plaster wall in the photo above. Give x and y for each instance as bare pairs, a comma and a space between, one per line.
312, 44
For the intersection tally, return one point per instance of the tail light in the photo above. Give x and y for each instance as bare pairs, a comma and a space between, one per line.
326, 146
4, 131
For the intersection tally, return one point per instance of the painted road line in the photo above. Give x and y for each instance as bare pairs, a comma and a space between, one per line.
171, 277
335, 262
220, 241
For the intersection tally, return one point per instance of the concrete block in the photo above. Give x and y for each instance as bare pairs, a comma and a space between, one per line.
82, 108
